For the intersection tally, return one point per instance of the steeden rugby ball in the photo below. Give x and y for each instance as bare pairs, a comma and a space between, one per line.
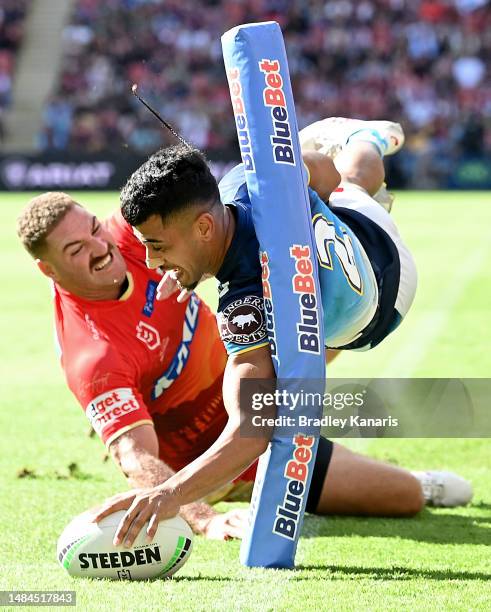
85, 549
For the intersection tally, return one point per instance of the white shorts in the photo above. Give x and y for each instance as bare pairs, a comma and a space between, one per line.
356, 198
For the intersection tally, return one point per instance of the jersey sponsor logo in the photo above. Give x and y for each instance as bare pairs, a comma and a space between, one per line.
98, 382
242, 321
288, 513
148, 335
150, 294
233, 76
107, 408
274, 98
96, 334
181, 356
304, 286
268, 304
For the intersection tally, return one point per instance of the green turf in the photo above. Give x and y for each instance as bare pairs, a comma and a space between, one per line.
440, 560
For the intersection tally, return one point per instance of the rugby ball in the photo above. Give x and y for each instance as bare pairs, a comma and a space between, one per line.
85, 549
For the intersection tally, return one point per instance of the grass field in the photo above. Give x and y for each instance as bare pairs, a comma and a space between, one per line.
440, 560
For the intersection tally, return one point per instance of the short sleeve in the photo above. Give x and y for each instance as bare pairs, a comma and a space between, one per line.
241, 321
108, 394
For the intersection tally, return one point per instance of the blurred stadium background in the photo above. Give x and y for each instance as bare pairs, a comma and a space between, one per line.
68, 120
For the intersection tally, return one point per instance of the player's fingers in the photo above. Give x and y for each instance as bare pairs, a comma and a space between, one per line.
137, 525
234, 531
153, 525
231, 518
111, 507
167, 286
236, 523
238, 515
183, 296
127, 521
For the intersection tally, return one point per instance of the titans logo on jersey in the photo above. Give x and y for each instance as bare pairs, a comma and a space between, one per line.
350, 274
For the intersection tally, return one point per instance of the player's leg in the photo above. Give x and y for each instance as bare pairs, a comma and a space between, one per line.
358, 148
345, 482
330, 136
358, 485
360, 164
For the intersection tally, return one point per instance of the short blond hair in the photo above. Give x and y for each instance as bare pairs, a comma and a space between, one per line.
41, 215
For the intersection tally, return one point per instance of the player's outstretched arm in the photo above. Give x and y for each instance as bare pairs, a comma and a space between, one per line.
324, 177
136, 452
232, 452
224, 460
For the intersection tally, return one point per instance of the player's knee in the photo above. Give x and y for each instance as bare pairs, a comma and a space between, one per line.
368, 181
362, 166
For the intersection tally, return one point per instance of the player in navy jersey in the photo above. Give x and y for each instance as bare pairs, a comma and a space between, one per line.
361, 258
193, 229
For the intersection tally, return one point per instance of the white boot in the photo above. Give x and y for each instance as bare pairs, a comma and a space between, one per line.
444, 489
330, 135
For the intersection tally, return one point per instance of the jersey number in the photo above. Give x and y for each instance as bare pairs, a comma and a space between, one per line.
325, 235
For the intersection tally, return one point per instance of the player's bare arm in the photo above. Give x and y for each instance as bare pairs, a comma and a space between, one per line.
225, 459
137, 454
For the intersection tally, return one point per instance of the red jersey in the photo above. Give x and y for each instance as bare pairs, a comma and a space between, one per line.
137, 360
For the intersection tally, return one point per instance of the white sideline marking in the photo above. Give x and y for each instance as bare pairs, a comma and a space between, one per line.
430, 324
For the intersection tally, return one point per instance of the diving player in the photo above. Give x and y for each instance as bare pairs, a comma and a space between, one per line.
192, 228
148, 374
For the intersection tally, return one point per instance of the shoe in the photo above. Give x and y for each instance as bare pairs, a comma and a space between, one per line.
444, 489
330, 135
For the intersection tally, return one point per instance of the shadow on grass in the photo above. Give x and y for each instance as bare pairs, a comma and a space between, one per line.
427, 527
352, 572
391, 573
481, 505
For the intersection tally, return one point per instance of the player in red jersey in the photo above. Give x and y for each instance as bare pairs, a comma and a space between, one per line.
123, 358
123, 352
148, 373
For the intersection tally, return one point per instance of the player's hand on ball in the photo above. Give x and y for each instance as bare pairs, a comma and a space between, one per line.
232, 524
120, 501
152, 505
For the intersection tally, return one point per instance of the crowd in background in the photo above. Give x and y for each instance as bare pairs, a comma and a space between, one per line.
12, 18
425, 63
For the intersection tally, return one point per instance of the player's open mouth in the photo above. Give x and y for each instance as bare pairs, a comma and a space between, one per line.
103, 263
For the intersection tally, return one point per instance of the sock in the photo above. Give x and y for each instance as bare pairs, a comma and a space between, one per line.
371, 136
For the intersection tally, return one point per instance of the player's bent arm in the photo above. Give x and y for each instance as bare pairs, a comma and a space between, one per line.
137, 454
324, 177
232, 452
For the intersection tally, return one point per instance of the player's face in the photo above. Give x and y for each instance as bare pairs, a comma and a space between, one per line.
178, 245
82, 257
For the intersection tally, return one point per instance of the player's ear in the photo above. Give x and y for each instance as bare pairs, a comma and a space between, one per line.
47, 269
205, 224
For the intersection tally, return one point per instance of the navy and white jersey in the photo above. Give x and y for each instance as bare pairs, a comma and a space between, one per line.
353, 257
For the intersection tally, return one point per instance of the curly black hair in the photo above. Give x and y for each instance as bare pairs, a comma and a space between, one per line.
171, 180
